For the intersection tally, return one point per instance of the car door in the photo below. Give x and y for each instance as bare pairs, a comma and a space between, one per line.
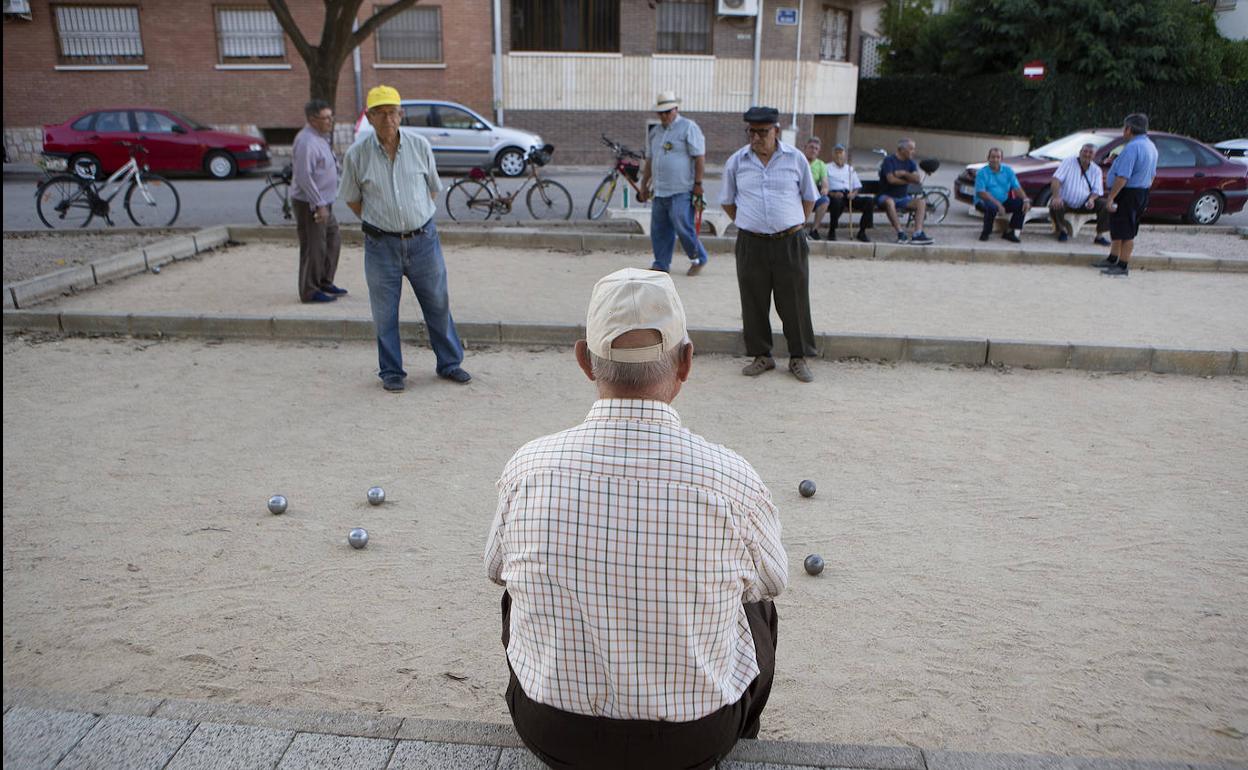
467, 140
110, 128
1176, 183
421, 118
170, 145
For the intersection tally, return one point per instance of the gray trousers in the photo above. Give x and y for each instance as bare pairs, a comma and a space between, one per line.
779, 267
319, 245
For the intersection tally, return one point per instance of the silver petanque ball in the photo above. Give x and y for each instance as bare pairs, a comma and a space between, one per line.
156, 269
358, 537
376, 496
806, 488
277, 504
813, 564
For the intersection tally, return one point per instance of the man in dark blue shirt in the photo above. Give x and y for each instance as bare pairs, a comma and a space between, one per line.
897, 173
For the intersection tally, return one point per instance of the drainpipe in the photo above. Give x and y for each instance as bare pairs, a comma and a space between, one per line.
797, 67
498, 62
755, 94
355, 66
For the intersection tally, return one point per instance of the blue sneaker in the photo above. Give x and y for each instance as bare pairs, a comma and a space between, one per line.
920, 237
902, 237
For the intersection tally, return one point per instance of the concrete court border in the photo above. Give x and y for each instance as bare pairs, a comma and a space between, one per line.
966, 351
769, 753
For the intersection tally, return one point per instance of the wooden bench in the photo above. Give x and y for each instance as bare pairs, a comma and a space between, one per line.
716, 219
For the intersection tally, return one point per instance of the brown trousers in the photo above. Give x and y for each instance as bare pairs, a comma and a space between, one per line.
567, 741
319, 244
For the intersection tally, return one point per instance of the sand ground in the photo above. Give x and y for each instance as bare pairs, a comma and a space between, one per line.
1018, 561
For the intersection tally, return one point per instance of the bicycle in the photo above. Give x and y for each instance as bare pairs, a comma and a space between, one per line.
273, 203
68, 200
628, 164
936, 196
478, 196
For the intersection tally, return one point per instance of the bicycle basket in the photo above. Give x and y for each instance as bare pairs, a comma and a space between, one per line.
929, 165
286, 173
541, 155
477, 174
631, 167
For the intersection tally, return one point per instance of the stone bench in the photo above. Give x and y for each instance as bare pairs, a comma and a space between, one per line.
717, 218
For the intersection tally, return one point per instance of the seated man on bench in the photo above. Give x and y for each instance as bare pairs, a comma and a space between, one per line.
897, 173
843, 192
997, 191
1078, 187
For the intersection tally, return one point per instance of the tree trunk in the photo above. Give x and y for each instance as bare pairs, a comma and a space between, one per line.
323, 77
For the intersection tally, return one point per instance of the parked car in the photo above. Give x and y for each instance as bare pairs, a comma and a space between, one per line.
1193, 180
1235, 149
462, 139
91, 143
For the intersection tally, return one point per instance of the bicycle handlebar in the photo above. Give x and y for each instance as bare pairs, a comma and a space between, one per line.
133, 146
619, 149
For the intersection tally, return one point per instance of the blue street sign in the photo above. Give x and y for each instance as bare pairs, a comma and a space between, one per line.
786, 17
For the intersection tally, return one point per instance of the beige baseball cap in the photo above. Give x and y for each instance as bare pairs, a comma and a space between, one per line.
632, 299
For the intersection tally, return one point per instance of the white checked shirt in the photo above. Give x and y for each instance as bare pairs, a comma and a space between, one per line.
1077, 184
628, 545
768, 198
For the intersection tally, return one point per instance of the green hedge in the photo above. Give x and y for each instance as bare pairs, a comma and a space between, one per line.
1048, 109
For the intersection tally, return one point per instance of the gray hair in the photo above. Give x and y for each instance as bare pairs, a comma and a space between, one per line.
991, 150
1136, 123
1087, 145
816, 140
904, 143
637, 376
315, 107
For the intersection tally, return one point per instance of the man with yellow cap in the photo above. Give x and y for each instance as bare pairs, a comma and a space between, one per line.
390, 181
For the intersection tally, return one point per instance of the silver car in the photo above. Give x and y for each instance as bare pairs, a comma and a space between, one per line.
461, 138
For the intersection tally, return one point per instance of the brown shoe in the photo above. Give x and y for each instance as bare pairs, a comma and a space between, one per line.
695, 268
759, 365
801, 370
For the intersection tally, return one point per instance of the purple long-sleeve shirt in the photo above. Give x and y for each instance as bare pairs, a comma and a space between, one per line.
315, 178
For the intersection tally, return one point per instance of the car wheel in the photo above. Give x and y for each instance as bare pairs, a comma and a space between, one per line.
510, 161
1206, 209
85, 165
220, 165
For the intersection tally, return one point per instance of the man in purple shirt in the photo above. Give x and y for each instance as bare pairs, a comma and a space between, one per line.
315, 183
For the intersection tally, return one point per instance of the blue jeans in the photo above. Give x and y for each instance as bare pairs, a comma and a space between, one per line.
671, 217
387, 260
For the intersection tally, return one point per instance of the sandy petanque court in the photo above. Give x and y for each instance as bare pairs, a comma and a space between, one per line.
1017, 561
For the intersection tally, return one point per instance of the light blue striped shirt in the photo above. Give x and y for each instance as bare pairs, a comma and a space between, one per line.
397, 197
768, 198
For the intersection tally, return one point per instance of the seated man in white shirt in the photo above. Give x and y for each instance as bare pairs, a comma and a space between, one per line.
843, 187
639, 559
1078, 187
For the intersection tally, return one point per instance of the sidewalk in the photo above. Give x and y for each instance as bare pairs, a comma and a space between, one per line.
63, 730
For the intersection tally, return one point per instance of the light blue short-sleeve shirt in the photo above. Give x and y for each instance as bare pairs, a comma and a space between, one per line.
1137, 163
997, 183
672, 151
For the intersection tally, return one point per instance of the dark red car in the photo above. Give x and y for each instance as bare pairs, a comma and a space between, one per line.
90, 142
1193, 181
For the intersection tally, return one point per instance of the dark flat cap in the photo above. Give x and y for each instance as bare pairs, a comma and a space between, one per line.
762, 115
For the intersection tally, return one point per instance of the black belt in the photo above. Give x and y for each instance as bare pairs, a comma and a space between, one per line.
774, 236
377, 232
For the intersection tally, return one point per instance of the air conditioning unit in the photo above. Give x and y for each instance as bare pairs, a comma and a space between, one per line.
17, 6
737, 7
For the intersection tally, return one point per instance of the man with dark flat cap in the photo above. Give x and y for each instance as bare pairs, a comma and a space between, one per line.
768, 191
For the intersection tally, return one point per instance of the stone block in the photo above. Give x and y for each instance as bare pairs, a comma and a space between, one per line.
338, 723
1198, 363
236, 326
168, 250
33, 320
45, 287
39, 738
731, 765
962, 760
210, 238
874, 347
164, 325
94, 703
715, 245
1233, 265
723, 341
419, 755
246, 233
455, 731
309, 328
415, 332
894, 251
947, 350
1160, 263
828, 755
562, 335
627, 243
988, 255
519, 759
359, 329
9, 302
1108, 358
486, 333
1197, 264
95, 323
214, 746
1029, 355
128, 741
1241, 362
120, 265
533, 239
849, 249
312, 752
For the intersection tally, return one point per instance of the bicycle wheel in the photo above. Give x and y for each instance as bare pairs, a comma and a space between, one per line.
469, 200
156, 204
64, 201
273, 207
937, 206
602, 196
549, 200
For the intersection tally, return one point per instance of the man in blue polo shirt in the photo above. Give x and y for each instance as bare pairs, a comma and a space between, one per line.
997, 191
1129, 180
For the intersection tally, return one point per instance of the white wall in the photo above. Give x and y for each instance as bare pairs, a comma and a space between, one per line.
1233, 24
945, 145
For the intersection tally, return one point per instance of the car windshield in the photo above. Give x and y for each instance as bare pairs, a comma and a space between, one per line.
195, 124
1068, 146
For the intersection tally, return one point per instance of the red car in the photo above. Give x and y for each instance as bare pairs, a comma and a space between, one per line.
1193, 180
90, 142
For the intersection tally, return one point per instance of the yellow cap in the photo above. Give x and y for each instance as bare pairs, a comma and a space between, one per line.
383, 95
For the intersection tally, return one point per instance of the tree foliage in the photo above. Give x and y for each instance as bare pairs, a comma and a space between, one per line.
1112, 44
338, 38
